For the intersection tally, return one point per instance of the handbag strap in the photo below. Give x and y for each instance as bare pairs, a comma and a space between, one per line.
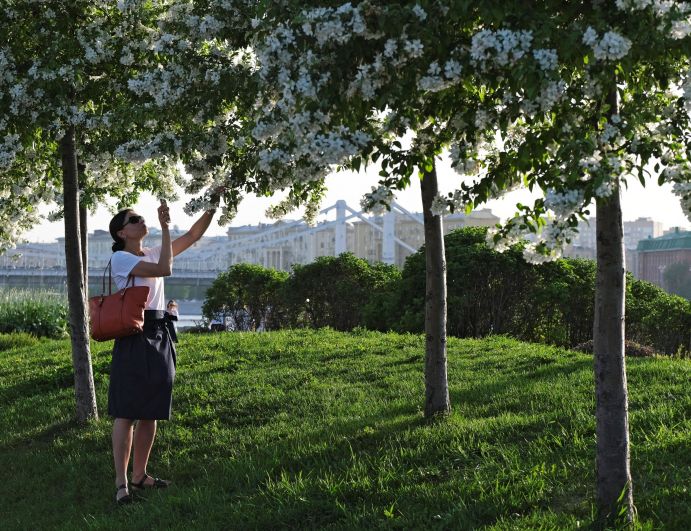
109, 268
103, 280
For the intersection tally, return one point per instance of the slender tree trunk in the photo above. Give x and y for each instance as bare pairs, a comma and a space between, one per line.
614, 487
436, 382
79, 331
84, 247
83, 234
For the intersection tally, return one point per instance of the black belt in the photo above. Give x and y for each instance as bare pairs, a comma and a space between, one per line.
153, 317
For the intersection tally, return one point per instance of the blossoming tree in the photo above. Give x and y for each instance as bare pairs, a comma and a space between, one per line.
565, 97
623, 110
63, 106
569, 98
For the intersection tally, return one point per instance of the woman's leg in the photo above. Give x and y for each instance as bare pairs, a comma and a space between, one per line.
122, 446
143, 441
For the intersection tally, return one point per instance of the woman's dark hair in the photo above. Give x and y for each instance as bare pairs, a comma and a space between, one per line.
116, 224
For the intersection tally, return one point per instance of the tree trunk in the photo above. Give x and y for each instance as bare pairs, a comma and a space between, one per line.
79, 331
436, 382
614, 487
83, 234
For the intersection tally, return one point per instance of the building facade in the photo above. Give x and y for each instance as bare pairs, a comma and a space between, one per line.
585, 243
657, 254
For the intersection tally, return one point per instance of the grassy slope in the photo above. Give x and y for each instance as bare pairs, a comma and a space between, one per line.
322, 429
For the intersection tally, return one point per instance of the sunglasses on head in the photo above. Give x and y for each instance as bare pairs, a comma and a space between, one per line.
134, 219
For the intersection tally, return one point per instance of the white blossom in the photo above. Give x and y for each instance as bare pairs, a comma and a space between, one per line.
611, 46
592, 163
551, 94
504, 47
377, 201
683, 191
452, 69
546, 58
413, 48
419, 12
441, 205
681, 29
564, 203
605, 189
9, 149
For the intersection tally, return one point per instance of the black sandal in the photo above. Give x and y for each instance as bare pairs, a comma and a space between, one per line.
127, 498
158, 483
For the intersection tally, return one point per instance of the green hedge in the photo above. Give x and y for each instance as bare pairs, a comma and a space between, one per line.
341, 292
491, 292
41, 314
488, 293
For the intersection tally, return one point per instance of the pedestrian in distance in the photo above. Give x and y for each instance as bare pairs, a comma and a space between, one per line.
172, 316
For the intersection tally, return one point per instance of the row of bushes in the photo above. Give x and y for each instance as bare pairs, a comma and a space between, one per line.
39, 313
340, 292
488, 292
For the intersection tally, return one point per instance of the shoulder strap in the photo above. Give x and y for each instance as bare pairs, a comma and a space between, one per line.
103, 284
109, 268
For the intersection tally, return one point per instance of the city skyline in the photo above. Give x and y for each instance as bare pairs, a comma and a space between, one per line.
653, 201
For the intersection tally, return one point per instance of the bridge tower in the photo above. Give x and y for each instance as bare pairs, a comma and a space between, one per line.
341, 234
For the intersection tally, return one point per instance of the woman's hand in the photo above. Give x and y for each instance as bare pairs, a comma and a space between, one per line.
215, 196
163, 214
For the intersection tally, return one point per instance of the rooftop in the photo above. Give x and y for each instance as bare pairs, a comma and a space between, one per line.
669, 242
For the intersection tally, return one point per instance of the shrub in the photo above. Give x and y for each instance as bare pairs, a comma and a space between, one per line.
562, 302
491, 292
42, 314
486, 290
340, 292
657, 318
248, 295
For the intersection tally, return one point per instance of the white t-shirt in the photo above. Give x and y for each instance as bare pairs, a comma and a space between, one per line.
123, 263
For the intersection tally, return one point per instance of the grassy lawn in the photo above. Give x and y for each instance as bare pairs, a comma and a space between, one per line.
319, 429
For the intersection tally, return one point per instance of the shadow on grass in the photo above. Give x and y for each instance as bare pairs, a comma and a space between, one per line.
61, 378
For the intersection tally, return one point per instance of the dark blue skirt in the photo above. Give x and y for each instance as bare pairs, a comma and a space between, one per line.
142, 372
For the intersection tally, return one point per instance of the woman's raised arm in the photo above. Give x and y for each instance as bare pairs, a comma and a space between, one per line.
164, 267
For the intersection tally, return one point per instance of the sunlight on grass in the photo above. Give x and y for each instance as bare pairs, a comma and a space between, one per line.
319, 429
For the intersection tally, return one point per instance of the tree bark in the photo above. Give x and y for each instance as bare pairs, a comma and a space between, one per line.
79, 331
614, 487
83, 234
436, 381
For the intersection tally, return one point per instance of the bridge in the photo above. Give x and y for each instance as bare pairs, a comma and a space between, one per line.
182, 285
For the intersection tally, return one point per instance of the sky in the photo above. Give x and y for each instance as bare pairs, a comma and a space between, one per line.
652, 201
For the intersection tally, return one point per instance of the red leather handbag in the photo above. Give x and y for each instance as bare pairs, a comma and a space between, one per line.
117, 314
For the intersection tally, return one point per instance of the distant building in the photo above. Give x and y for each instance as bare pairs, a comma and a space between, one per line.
585, 243
100, 246
656, 254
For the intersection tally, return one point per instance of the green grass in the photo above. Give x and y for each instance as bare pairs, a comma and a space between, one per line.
319, 429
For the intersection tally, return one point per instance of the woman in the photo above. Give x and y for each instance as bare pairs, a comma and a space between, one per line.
143, 365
